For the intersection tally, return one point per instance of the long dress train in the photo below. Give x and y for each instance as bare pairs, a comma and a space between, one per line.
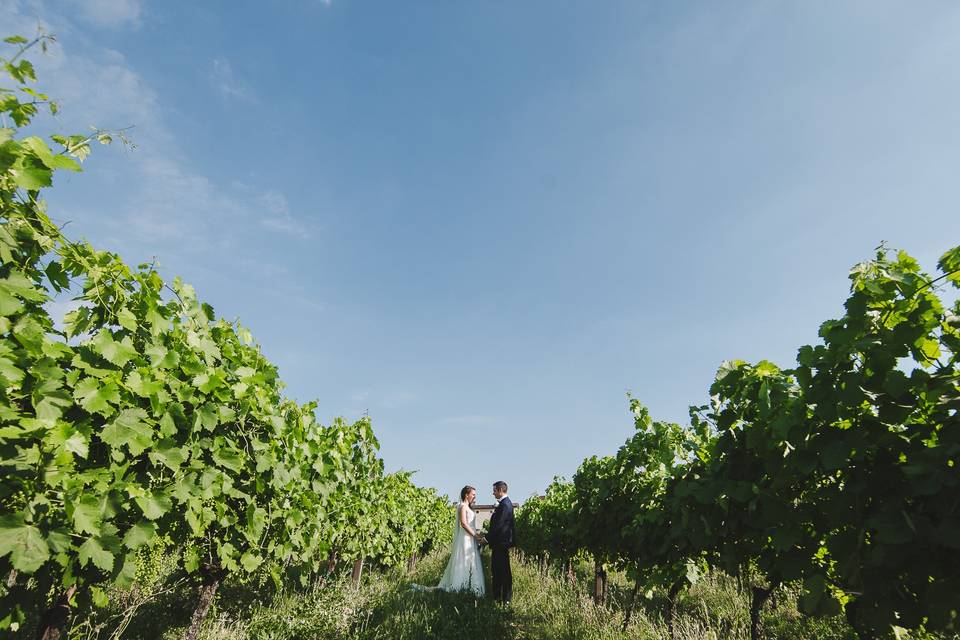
464, 571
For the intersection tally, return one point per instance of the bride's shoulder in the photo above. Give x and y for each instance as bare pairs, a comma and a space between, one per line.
464, 505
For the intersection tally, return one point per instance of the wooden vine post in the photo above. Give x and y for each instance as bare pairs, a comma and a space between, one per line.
759, 598
211, 577
357, 571
600, 584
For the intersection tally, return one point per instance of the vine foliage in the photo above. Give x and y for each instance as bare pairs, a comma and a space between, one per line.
143, 416
839, 474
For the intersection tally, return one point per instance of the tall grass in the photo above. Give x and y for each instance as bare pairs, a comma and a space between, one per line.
384, 607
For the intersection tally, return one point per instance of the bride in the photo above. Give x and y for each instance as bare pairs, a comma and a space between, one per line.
464, 570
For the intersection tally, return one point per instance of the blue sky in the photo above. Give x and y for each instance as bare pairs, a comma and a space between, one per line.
484, 222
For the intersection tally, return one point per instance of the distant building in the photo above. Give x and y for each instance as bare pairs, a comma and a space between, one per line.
484, 511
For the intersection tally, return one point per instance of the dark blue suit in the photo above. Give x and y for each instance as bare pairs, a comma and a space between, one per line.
500, 538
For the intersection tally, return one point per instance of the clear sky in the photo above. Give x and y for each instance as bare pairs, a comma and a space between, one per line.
484, 222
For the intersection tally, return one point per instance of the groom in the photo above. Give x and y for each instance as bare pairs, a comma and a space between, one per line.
500, 539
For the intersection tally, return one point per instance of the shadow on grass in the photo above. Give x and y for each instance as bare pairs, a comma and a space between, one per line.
405, 614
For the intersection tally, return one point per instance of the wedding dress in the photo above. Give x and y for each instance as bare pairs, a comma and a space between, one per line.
464, 570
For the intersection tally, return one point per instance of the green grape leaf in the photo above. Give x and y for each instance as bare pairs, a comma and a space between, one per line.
59, 541
228, 457
191, 559
161, 357
20, 285
896, 383
228, 555
168, 454
154, 504
117, 353
77, 321
139, 534
250, 561
30, 333
92, 550
54, 402
143, 387
816, 598
68, 437
256, 521
126, 319
245, 372
227, 414
99, 597
949, 264
208, 382
9, 371
167, 426
206, 418
24, 543
129, 429
9, 305
57, 276
158, 323
207, 347
128, 572
42, 151
96, 396
727, 367
86, 514
29, 175
928, 347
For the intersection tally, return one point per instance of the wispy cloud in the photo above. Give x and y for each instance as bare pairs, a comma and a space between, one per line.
278, 217
360, 396
96, 86
112, 14
272, 211
158, 205
223, 77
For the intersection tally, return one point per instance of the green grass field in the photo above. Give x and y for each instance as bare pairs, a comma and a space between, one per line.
384, 607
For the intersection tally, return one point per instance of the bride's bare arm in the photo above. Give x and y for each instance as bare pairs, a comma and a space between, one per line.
463, 521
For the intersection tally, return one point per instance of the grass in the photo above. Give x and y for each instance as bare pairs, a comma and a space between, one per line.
385, 607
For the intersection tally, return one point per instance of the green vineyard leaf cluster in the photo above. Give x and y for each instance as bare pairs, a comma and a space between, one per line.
839, 475
144, 416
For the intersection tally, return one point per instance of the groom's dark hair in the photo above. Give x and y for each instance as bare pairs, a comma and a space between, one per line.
500, 484
463, 492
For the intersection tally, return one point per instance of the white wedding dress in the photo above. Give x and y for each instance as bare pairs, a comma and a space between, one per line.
464, 570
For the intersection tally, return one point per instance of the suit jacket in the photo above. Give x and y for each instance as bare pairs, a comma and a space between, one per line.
501, 535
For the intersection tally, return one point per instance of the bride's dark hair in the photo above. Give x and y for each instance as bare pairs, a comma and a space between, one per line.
467, 489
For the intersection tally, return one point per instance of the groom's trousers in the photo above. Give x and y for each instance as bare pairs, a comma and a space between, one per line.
502, 578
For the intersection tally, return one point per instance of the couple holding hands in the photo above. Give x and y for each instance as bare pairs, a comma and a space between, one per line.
464, 570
